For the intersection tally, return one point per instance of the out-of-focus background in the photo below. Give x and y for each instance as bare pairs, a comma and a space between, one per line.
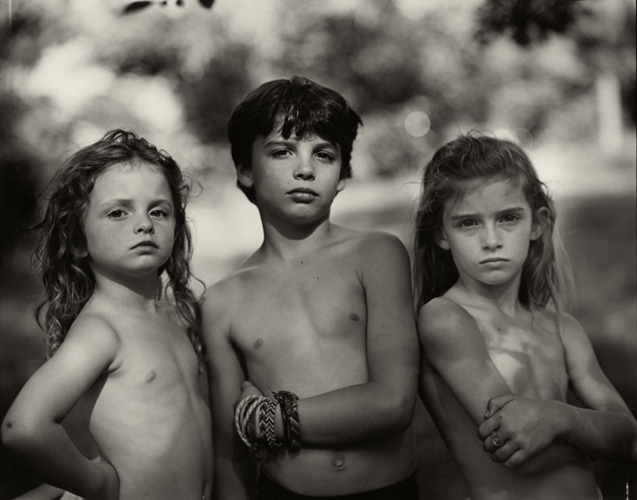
558, 77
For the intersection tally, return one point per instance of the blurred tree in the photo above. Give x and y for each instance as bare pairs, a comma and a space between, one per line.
604, 34
17, 182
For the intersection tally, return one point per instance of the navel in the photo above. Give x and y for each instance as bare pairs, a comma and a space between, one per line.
354, 317
339, 463
258, 343
150, 376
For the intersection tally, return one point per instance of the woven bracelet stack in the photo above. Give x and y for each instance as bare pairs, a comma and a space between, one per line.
262, 410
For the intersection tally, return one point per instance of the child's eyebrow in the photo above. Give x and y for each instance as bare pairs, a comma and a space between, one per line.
499, 212
278, 142
326, 144
128, 201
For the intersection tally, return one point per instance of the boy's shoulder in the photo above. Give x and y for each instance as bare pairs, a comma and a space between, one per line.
370, 243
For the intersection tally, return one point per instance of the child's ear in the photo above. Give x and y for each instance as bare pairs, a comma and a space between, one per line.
440, 237
539, 224
340, 186
244, 176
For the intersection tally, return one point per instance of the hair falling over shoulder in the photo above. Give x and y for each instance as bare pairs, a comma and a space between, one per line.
546, 276
62, 254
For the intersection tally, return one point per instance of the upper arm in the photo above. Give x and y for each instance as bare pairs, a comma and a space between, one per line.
233, 467
224, 369
392, 341
89, 349
453, 346
587, 379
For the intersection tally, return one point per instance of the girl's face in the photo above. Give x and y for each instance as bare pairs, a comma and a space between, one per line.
129, 222
488, 229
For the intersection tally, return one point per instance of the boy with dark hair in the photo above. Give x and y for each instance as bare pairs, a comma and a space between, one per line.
321, 311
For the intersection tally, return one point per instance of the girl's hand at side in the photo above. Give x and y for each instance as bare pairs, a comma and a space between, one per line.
517, 428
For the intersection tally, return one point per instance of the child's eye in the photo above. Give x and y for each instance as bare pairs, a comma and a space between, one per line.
466, 223
326, 156
280, 153
159, 213
116, 214
509, 218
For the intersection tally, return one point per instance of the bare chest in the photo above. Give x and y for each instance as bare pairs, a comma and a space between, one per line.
302, 317
529, 357
155, 356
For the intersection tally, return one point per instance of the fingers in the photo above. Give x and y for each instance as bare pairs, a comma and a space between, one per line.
489, 426
493, 442
495, 404
500, 449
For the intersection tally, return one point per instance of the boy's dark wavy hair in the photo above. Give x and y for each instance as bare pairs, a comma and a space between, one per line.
62, 252
546, 273
301, 107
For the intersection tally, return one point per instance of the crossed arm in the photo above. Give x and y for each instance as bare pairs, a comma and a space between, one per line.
387, 400
454, 347
604, 429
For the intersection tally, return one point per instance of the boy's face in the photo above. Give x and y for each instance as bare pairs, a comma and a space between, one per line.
295, 179
129, 222
488, 230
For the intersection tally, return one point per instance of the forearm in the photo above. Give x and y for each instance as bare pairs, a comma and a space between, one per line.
53, 457
355, 413
552, 457
603, 434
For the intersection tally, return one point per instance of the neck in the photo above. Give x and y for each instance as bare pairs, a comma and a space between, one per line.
504, 297
126, 293
288, 241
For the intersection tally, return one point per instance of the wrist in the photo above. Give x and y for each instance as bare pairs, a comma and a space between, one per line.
565, 419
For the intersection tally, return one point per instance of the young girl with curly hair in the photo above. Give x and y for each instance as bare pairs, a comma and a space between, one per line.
123, 344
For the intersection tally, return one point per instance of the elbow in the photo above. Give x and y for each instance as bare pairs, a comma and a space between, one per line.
400, 412
17, 435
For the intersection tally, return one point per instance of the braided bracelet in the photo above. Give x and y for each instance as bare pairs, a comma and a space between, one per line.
290, 414
266, 414
242, 418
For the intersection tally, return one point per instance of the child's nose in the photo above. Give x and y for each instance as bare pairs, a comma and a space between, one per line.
144, 225
304, 170
491, 237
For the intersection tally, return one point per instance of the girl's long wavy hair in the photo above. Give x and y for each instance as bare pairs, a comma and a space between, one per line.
62, 252
546, 275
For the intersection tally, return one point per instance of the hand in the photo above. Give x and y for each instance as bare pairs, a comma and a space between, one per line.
249, 389
516, 428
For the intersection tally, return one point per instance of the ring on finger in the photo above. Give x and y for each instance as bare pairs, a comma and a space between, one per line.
496, 440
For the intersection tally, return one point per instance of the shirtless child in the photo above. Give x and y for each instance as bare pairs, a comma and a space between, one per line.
122, 341
318, 310
494, 336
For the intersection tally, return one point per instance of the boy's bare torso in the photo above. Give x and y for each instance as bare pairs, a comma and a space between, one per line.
529, 355
300, 325
147, 415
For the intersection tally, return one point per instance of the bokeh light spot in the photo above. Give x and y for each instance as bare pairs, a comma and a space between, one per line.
417, 124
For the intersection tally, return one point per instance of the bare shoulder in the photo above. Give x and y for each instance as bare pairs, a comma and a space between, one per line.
563, 324
442, 315
96, 329
374, 245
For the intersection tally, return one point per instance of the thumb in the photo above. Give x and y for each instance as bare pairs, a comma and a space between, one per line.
496, 403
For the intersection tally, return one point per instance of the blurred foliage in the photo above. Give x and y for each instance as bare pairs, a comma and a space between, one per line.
526, 21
